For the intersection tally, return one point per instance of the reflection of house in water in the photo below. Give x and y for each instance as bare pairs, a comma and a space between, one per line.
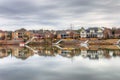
98, 54
15, 51
112, 53
3, 53
46, 53
69, 53
93, 54
43, 51
22, 53
66, 53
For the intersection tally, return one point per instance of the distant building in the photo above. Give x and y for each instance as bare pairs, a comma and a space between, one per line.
91, 33
2, 35
83, 33
18, 34
62, 34
9, 35
67, 34
94, 32
117, 33
48, 34
107, 33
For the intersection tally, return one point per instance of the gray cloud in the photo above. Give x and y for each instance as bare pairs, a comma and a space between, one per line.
59, 13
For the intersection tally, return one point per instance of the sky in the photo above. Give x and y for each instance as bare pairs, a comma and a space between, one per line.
58, 14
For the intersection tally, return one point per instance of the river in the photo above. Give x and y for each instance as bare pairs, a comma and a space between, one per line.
52, 63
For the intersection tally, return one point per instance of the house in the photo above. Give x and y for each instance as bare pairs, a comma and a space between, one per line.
62, 34
42, 33
94, 32
2, 35
48, 34
117, 33
9, 35
67, 34
83, 33
74, 35
38, 33
91, 32
107, 33
18, 34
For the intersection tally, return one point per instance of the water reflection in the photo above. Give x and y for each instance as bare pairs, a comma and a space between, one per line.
52, 63
94, 52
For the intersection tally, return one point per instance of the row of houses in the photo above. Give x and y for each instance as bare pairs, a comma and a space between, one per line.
24, 34
91, 32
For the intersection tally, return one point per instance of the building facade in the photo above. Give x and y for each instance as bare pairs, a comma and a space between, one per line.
91, 33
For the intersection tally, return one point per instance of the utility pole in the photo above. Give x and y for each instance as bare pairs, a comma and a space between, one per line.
71, 30
71, 27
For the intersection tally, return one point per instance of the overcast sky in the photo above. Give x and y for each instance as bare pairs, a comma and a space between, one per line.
58, 14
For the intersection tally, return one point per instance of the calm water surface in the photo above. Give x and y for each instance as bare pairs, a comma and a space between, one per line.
54, 64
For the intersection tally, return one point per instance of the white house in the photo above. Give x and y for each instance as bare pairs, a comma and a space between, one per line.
83, 33
91, 33
100, 33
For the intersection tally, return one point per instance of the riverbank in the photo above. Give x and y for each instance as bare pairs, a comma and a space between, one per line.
104, 42
64, 42
92, 42
10, 42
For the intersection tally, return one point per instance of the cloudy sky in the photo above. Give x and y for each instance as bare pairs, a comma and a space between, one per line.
58, 14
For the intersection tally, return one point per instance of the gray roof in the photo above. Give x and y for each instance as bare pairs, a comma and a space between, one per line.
94, 28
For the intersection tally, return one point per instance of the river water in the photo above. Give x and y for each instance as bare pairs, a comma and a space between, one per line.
51, 63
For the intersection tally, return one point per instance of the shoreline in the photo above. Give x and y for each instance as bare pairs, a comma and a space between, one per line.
65, 42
